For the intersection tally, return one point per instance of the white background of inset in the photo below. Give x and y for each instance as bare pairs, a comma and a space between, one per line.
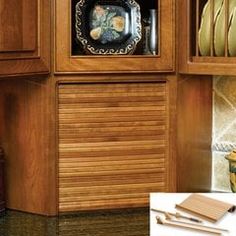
167, 202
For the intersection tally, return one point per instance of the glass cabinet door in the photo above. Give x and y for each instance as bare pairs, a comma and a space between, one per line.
114, 35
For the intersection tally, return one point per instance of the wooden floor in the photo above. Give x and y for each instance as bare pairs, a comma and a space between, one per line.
128, 222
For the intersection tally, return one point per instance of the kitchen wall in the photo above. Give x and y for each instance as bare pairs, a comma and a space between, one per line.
224, 129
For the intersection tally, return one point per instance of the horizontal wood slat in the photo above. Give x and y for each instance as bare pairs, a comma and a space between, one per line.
108, 163
112, 172
110, 104
105, 204
90, 169
116, 180
107, 88
113, 138
117, 124
115, 189
113, 141
75, 158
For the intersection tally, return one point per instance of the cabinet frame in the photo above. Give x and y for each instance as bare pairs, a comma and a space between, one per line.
66, 63
36, 60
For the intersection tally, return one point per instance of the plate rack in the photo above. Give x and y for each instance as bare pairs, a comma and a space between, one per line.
211, 34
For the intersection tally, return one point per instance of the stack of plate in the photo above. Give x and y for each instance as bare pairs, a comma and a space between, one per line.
232, 34
204, 34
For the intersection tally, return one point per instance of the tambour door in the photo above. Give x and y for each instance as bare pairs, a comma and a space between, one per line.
113, 144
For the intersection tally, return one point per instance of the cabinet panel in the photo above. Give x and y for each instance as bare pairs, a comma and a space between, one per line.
18, 26
67, 60
194, 136
2, 192
25, 37
27, 136
113, 144
205, 37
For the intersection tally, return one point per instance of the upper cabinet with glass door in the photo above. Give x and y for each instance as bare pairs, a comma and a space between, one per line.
207, 36
114, 36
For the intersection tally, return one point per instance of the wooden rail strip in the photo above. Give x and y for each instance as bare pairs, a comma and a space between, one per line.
197, 27
226, 26
212, 10
189, 226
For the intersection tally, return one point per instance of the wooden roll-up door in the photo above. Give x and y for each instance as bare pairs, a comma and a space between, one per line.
113, 144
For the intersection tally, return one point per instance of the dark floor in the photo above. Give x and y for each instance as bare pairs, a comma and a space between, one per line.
133, 222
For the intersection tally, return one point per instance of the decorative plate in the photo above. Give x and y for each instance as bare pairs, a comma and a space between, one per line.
204, 33
232, 36
219, 32
108, 27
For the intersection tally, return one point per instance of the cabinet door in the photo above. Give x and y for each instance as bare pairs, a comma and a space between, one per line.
24, 38
113, 145
207, 37
2, 195
78, 51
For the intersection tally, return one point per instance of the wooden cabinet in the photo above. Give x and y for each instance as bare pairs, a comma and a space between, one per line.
73, 144
205, 37
101, 131
25, 37
114, 144
67, 60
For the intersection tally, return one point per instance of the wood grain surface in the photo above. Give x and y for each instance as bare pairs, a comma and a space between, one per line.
205, 207
113, 141
194, 122
2, 187
25, 37
18, 23
27, 135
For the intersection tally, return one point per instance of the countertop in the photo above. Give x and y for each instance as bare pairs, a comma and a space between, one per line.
125, 222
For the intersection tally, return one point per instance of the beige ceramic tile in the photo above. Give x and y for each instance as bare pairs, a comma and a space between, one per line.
224, 115
229, 135
227, 87
220, 172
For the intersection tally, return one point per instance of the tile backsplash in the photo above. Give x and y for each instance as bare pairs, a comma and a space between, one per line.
224, 129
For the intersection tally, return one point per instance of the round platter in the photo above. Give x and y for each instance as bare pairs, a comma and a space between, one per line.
106, 27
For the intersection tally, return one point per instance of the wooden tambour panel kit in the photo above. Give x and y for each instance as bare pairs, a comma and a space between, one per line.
100, 131
205, 207
209, 213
